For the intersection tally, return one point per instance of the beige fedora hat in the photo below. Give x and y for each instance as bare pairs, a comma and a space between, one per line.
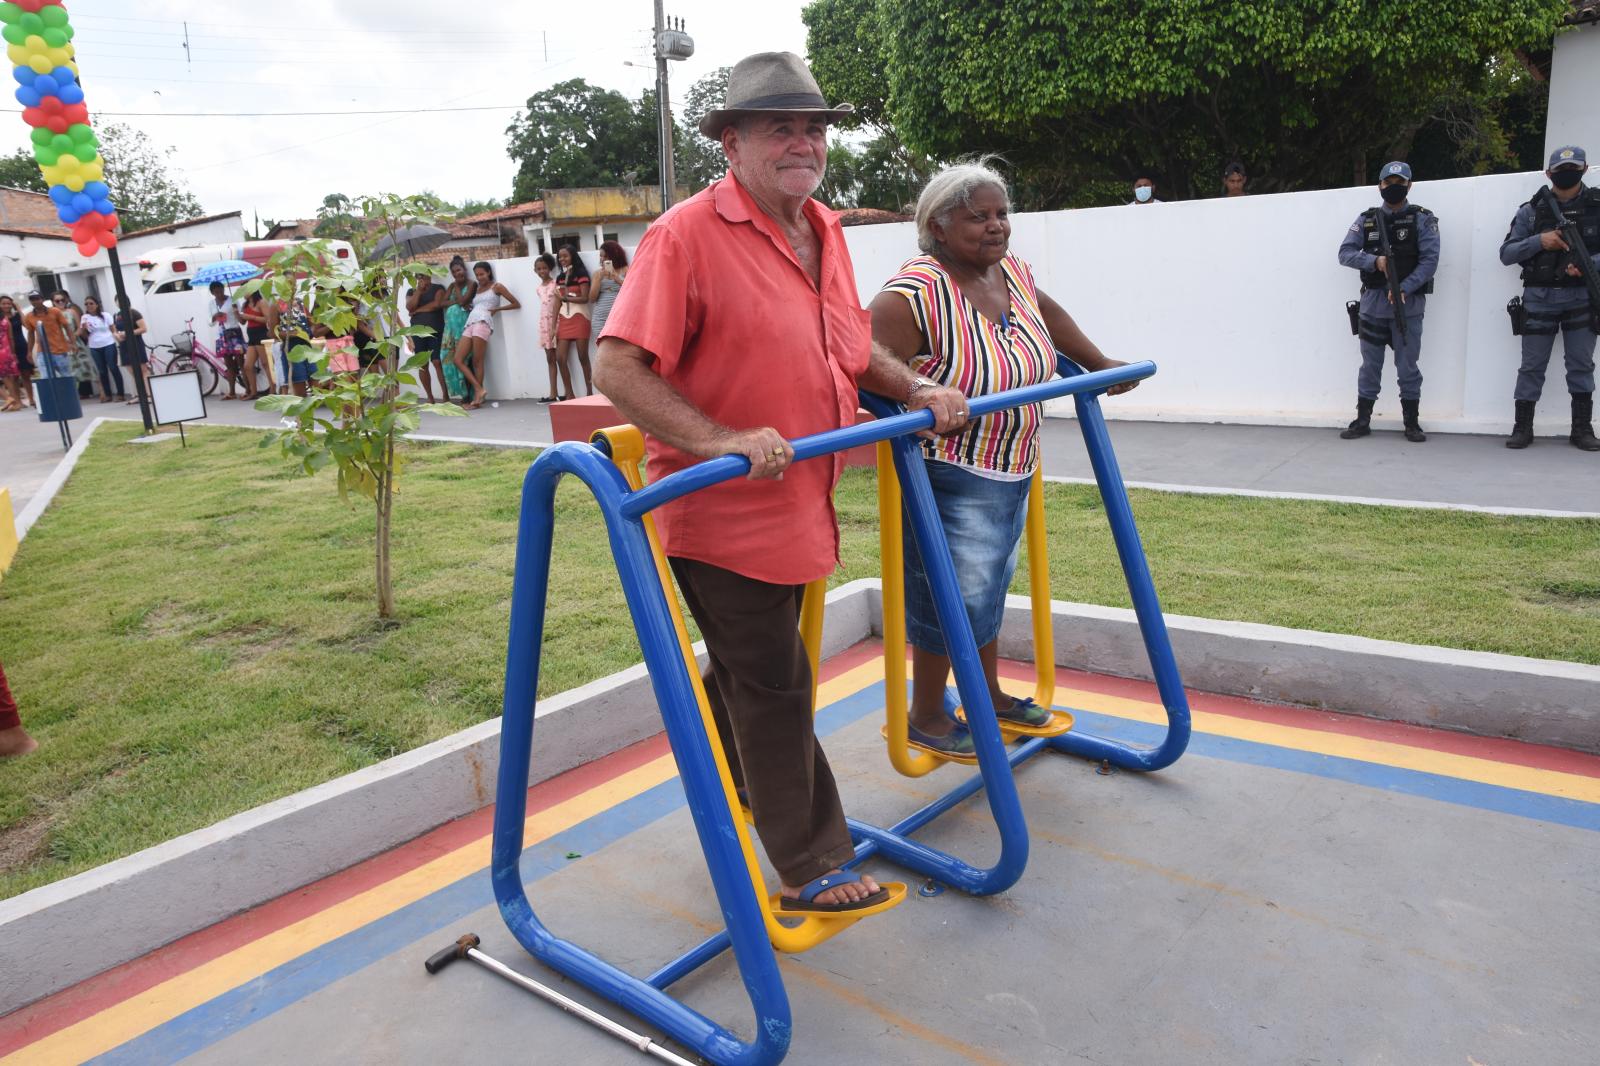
770, 81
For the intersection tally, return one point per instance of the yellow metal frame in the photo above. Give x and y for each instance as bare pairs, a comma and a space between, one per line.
912, 762
8, 531
627, 452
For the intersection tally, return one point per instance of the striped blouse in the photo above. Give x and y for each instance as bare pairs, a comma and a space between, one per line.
967, 351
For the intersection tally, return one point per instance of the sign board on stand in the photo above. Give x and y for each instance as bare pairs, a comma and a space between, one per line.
177, 398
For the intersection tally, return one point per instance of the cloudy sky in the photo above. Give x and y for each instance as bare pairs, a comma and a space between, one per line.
372, 55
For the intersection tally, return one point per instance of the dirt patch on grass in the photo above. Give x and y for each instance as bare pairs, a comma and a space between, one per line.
1578, 596
168, 619
23, 843
249, 642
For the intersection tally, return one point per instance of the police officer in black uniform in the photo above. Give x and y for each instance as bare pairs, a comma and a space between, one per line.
1414, 240
1554, 296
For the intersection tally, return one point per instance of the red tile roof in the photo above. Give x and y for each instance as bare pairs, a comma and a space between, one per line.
869, 216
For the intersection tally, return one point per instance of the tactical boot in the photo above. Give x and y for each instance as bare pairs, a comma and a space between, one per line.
1583, 422
1522, 432
1414, 432
1363, 420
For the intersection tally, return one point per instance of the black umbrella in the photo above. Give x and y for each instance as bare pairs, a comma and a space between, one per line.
412, 241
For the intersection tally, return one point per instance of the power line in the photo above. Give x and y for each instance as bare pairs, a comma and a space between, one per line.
288, 114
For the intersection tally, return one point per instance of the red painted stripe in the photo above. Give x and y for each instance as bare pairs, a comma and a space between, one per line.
1495, 749
85, 999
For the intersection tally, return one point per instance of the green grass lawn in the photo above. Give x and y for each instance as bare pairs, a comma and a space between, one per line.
192, 633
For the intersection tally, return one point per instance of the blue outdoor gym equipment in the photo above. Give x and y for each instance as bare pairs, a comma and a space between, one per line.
752, 931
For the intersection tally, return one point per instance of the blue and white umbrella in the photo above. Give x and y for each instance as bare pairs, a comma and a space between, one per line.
227, 271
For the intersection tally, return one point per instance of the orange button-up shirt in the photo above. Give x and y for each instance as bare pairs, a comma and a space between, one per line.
717, 296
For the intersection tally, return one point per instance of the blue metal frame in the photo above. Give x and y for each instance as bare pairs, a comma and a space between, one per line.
745, 931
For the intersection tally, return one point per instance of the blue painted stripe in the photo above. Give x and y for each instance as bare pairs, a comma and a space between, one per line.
433, 915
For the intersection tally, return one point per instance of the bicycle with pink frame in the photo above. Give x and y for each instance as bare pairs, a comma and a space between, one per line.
187, 353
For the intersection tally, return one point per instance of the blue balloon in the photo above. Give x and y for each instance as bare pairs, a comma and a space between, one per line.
45, 85
105, 207
82, 204
62, 195
70, 94
28, 96
64, 75
69, 215
96, 190
24, 75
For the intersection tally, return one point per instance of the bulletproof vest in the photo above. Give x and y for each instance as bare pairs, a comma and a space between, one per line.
1403, 226
1550, 268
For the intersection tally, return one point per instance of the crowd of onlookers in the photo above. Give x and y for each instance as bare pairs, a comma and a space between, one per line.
60, 338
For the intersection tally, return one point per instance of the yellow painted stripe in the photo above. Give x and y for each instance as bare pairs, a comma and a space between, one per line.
1363, 749
118, 1024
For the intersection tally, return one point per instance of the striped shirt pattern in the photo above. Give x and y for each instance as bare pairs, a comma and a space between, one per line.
969, 352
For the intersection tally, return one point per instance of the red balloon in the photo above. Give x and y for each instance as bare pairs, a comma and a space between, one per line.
88, 248
33, 6
55, 115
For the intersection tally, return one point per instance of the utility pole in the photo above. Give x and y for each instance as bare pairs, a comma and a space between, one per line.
671, 43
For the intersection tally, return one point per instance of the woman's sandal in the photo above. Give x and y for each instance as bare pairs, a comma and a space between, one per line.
547, 399
812, 889
955, 745
1024, 711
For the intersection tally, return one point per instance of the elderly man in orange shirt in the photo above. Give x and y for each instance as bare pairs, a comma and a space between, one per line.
741, 327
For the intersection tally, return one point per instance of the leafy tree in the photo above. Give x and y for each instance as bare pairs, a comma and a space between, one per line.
1308, 93
143, 180
20, 170
698, 160
575, 135
469, 207
353, 420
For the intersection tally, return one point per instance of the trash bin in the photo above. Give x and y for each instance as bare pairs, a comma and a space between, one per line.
58, 398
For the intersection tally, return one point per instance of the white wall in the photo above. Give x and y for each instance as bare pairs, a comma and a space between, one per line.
1241, 302
1573, 117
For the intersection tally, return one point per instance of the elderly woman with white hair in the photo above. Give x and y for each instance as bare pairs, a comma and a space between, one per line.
966, 314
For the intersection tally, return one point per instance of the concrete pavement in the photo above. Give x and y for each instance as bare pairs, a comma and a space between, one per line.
1450, 469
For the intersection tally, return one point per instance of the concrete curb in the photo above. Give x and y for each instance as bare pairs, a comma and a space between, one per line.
63, 933
1541, 701
58, 477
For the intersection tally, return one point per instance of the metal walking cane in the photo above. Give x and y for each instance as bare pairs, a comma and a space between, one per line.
467, 948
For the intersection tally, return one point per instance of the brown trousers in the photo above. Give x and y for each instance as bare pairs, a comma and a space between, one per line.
759, 686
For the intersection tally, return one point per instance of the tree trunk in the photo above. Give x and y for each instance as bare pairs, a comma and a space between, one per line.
385, 503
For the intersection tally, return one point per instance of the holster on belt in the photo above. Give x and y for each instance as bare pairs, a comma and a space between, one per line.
1353, 309
1518, 315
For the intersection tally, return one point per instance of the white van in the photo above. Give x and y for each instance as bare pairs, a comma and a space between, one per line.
169, 302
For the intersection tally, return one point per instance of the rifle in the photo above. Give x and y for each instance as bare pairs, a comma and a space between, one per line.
1574, 238
1396, 297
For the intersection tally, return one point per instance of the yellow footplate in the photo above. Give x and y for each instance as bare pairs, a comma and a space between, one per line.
1060, 722
897, 896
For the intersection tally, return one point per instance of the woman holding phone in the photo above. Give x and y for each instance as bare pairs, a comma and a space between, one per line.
605, 285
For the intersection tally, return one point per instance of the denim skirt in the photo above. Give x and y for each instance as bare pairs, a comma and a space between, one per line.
983, 520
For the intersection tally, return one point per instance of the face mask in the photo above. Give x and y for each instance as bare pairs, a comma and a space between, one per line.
1393, 194
1142, 193
1566, 178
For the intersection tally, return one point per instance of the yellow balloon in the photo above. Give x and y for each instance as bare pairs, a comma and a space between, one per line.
17, 54
74, 173
41, 64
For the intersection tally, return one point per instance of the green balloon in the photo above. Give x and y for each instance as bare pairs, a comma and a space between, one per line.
43, 135
10, 12
68, 30
14, 34
62, 143
31, 22
86, 152
54, 38
47, 157
82, 134
54, 16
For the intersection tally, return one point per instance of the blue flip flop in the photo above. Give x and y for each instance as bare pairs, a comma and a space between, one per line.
955, 745
812, 889
1024, 711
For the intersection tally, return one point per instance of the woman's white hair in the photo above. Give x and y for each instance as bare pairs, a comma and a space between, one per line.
954, 185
